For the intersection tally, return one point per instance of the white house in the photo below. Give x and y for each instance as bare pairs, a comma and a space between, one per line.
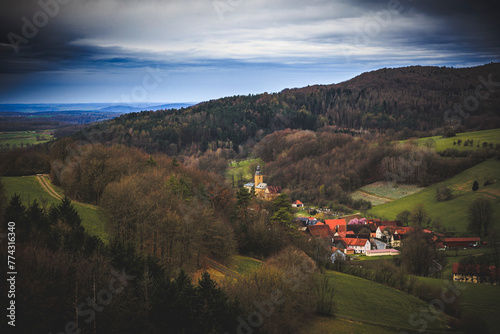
360, 246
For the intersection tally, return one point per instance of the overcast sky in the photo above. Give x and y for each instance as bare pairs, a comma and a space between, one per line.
194, 50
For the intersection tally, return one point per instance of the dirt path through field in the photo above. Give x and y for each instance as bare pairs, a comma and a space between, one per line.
381, 198
48, 187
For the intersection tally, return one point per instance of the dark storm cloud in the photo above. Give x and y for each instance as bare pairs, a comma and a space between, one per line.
118, 36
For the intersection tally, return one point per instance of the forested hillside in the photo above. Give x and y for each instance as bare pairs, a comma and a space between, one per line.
321, 167
403, 100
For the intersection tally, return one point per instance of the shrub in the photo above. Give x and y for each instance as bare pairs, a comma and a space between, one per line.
443, 193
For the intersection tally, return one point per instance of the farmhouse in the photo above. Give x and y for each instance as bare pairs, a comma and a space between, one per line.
262, 189
360, 246
297, 204
475, 273
461, 242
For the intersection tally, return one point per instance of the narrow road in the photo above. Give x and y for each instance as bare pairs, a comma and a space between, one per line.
48, 187
387, 199
226, 271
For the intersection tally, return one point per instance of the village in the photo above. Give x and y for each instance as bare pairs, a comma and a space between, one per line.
350, 236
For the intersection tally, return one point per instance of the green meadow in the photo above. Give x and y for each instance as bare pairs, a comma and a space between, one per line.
244, 264
374, 304
242, 170
478, 137
452, 213
18, 138
93, 220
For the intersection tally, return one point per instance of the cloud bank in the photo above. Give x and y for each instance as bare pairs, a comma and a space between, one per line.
98, 50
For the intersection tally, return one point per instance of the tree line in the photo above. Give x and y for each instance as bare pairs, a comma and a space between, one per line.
396, 101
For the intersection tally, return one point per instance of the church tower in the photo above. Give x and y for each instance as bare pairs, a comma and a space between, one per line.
259, 178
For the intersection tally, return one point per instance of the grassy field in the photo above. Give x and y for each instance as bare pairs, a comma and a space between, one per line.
93, 220
374, 258
389, 190
452, 213
377, 305
478, 299
243, 170
478, 137
361, 306
324, 325
244, 264
16, 138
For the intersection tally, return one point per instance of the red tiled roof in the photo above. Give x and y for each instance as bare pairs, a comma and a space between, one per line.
353, 241
392, 223
320, 230
403, 230
334, 222
471, 239
297, 202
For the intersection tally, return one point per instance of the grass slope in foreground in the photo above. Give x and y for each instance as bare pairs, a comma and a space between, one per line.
452, 213
93, 220
478, 137
481, 300
362, 306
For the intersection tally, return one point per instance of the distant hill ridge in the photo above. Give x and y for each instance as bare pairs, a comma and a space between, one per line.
412, 98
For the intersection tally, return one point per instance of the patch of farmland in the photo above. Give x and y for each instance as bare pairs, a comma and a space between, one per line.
389, 190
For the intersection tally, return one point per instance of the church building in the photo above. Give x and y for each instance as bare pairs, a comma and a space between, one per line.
262, 189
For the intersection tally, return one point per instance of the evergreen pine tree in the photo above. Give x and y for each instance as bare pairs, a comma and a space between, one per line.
475, 186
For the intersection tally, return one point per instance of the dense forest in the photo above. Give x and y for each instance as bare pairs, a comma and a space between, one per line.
397, 101
159, 178
165, 221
